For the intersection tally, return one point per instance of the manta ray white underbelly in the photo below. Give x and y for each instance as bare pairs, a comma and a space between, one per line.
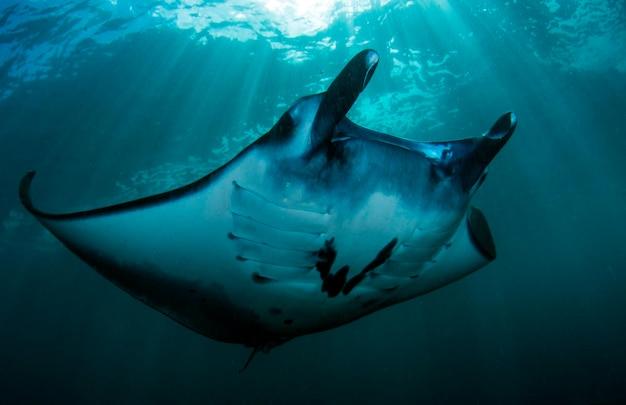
317, 223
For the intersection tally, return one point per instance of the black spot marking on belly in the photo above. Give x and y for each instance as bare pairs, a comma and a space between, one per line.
326, 257
261, 279
334, 283
381, 257
353, 282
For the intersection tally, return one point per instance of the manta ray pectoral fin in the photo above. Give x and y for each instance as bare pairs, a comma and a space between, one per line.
469, 249
342, 94
131, 245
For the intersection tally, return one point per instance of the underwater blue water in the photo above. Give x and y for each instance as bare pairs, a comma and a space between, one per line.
112, 100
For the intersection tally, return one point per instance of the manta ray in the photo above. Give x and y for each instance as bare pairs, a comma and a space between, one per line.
315, 224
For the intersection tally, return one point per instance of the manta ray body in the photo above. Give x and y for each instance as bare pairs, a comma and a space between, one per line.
317, 223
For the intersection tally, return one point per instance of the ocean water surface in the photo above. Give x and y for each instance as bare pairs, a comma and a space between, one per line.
113, 100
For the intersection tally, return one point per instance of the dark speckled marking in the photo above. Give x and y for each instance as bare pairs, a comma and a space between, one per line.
288, 321
326, 257
353, 282
333, 284
261, 279
381, 257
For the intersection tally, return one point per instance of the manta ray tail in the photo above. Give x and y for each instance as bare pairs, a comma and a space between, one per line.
24, 192
253, 353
